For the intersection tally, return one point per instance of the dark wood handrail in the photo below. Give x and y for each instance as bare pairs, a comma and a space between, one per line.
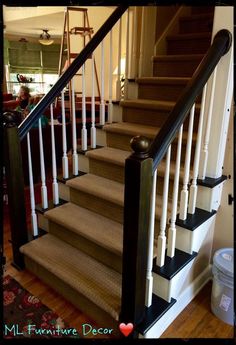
35, 114
220, 46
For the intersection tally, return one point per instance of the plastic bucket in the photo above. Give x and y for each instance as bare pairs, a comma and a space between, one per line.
222, 296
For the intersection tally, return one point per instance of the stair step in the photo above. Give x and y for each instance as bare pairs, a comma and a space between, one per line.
202, 9
103, 196
152, 314
193, 43
120, 134
88, 283
161, 88
196, 23
170, 278
148, 112
176, 65
94, 227
174, 265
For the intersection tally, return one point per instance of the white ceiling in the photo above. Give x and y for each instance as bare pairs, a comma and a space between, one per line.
25, 23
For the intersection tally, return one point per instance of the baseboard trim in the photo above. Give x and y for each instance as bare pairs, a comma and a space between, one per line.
182, 301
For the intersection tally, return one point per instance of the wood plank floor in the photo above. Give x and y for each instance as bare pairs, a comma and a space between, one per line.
196, 321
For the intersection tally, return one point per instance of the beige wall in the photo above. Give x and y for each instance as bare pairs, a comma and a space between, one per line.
224, 228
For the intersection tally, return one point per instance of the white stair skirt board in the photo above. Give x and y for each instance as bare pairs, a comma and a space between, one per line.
83, 163
170, 288
182, 301
42, 222
191, 240
101, 137
117, 113
64, 191
209, 198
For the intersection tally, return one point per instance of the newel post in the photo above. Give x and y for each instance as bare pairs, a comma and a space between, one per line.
15, 188
138, 188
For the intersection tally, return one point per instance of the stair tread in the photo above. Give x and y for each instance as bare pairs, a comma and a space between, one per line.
97, 282
189, 36
180, 57
133, 129
163, 80
148, 104
196, 16
118, 157
110, 190
103, 231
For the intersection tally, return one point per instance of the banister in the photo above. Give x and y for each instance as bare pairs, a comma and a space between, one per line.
35, 114
220, 46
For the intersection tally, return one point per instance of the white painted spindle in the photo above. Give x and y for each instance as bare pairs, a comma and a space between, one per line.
110, 105
172, 228
55, 193
44, 193
127, 59
65, 167
193, 188
184, 192
118, 82
84, 145
102, 103
31, 185
202, 170
149, 277
161, 243
75, 163
93, 128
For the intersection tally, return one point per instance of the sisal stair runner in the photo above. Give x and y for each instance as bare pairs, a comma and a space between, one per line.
81, 256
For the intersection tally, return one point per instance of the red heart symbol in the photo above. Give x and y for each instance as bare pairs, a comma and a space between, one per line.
126, 329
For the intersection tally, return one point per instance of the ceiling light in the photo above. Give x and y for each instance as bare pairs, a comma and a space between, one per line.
45, 38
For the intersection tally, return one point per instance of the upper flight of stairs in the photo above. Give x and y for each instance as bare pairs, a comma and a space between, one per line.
81, 255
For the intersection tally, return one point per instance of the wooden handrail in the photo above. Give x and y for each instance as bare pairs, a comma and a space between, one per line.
35, 114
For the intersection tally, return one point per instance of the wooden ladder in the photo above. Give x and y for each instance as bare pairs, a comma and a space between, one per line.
83, 31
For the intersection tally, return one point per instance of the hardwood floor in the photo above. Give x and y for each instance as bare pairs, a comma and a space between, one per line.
196, 321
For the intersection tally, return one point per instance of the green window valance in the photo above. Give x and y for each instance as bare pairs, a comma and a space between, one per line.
31, 57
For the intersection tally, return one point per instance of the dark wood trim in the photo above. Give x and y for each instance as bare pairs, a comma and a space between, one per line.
15, 188
138, 187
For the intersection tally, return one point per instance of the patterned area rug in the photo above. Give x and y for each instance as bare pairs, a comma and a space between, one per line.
26, 316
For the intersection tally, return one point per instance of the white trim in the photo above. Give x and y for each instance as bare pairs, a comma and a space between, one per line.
184, 299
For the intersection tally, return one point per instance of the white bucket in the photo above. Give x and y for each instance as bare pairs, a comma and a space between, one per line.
222, 296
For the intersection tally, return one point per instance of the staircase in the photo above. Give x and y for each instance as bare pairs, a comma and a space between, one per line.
81, 255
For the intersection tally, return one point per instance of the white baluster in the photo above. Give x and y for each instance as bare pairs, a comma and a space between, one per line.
193, 188
110, 105
93, 128
184, 192
31, 185
84, 129
65, 167
127, 59
55, 192
172, 228
44, 193
75, 162
102, 103
202, 173
118, 82
161, 244
149, 277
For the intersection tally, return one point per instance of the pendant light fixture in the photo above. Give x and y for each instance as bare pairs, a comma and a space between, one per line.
45, 38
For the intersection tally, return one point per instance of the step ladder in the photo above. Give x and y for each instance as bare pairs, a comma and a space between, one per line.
85, 32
